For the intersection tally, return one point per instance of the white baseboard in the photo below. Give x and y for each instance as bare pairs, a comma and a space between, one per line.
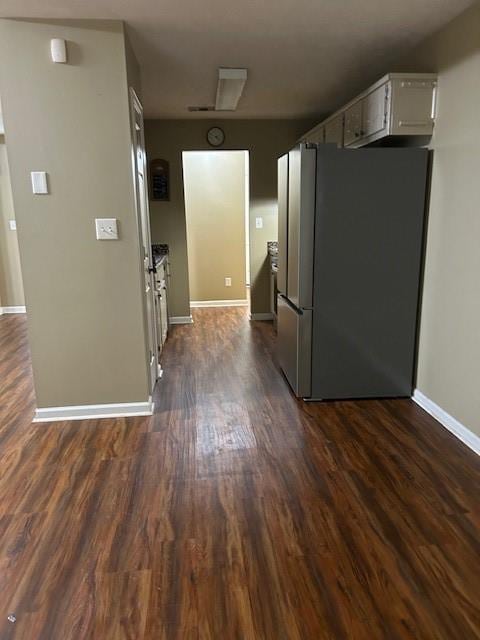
19, 309
180, 320
261, 316
449, 422
218, 303
94, 411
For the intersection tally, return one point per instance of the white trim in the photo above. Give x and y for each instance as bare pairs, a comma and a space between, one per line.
218, 303
261, 316
180, 320
449, 422
19, 309
94, 411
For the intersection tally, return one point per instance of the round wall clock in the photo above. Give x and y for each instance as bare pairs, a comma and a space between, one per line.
215, 136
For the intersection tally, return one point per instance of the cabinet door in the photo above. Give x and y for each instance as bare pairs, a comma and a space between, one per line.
353, 124
318, 136
334, 131
164, 313
315, 136
374, 111
413, 107
158, 321
160, 274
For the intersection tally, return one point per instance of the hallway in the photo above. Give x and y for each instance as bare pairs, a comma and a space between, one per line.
236, 511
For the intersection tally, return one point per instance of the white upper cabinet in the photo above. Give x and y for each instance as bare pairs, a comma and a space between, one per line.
334, 130
375, 111
400, 104
316, 135
414, 103
353, 123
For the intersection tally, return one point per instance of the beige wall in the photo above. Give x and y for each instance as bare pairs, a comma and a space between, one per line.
214, 183
266, 140
11, 285
84, 297
449, 348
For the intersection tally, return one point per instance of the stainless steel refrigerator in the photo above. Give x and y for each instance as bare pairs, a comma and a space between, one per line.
350, 238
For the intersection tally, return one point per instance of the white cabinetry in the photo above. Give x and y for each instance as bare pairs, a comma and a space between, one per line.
399, 104
375, 107
334, 130
353, 123
161, 303
316, 135
413, 103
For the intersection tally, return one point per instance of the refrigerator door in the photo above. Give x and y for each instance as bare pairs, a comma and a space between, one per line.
368, 252
294, 329
301, 219
282, 223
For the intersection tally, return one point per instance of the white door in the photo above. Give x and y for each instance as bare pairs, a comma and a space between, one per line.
141, 195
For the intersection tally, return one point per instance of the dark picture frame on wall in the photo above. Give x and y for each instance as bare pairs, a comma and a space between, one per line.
160, 179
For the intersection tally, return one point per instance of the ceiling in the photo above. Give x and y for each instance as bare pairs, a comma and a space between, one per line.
304, 57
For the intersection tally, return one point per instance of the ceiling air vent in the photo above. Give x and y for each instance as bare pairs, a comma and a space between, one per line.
212, 108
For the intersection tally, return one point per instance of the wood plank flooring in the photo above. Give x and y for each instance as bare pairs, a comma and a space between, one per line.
235, 512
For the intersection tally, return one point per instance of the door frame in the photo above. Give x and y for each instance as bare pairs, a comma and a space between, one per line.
247, 220
151, 338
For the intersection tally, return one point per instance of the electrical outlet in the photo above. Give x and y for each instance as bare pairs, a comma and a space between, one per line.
259, 223
12, 224
228, 282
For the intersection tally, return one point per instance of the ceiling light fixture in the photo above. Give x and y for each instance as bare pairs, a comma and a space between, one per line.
229, 89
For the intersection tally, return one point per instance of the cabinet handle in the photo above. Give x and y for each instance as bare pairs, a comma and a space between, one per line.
413, 123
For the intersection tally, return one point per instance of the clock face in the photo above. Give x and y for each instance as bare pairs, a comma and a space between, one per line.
215, 136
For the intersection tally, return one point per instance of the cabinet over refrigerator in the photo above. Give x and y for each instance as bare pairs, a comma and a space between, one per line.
349, 261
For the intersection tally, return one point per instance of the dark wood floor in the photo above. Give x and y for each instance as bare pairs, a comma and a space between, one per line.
235, 512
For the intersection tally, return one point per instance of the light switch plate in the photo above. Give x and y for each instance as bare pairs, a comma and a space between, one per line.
228, 282
12, 224
39, 182
259, 223
106, 228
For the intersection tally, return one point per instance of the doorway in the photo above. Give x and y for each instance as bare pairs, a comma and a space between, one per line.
12, 299
216, 190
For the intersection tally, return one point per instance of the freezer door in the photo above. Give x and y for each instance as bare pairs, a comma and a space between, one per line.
294, 330
301, 217
282, 176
